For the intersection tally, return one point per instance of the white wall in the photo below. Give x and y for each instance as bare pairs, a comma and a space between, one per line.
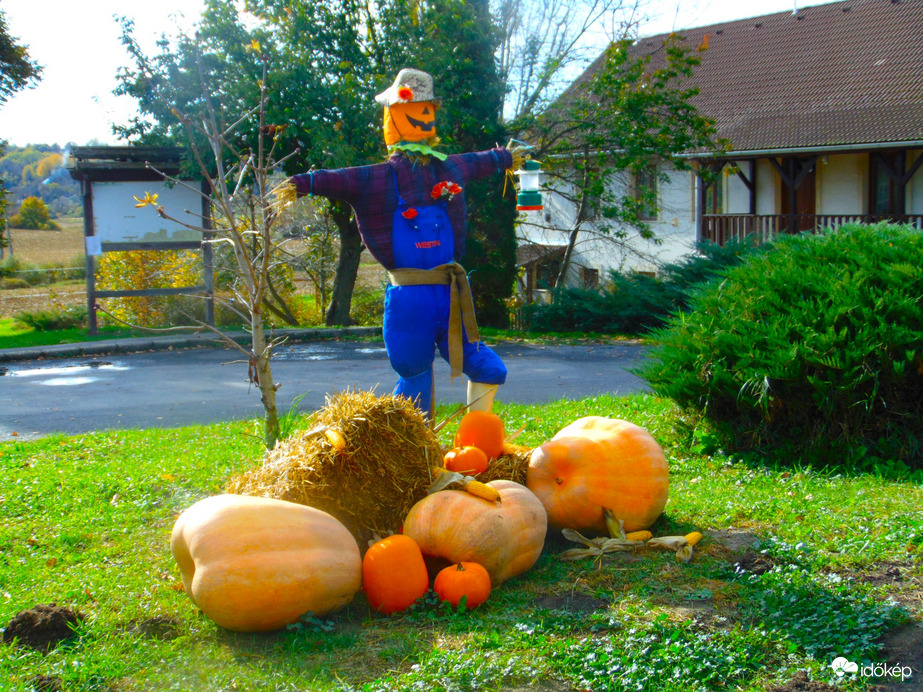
674, 227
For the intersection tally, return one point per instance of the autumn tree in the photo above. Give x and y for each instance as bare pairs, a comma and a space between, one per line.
33, 214
631, 116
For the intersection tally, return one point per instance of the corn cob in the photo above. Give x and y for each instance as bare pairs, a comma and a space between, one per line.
336, 439
482, 490
638, 536
693, 537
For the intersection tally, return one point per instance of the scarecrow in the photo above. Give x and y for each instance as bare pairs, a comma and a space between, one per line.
411, 213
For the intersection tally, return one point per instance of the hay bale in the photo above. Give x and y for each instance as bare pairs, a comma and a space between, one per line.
512, 465
371, 483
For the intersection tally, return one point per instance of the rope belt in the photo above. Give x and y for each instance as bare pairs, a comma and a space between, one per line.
461, 304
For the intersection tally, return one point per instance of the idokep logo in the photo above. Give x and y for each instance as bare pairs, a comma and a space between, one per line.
841, 666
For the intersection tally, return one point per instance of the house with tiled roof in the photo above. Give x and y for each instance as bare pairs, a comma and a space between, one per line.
823, 111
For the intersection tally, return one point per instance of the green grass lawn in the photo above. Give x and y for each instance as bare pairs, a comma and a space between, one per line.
85, 523
14, 334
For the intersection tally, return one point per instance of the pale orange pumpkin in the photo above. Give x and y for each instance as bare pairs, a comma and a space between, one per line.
504, 537
467, 580
255, 564
467, 460
598, 463
410, 122
394, 575
481, 429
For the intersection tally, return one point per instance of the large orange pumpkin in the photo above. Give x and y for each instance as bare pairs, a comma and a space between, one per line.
504, 537
600, 463
410, 122
254, 564
394, 575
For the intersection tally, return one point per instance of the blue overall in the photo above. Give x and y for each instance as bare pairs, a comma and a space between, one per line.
416, 318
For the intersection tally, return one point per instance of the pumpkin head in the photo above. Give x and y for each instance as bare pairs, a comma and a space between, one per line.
504, 537
466, 580
410, 122
467, 460
393, 574
600, 463
253, 564
483, 430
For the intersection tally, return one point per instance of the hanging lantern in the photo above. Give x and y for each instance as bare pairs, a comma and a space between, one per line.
529, 197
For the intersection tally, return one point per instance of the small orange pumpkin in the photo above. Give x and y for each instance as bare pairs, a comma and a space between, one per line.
394, 575
600, 463
410, 122
483, 430
467, 460
253, 564
505, 537
466, 580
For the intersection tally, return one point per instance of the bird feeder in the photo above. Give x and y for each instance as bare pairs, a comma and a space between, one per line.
529, 197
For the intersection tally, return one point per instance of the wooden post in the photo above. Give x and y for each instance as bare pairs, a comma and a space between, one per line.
89, 230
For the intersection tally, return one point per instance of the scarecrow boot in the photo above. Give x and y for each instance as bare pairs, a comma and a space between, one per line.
481, 396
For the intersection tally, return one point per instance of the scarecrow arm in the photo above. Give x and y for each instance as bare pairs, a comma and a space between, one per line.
480, 164
342, 184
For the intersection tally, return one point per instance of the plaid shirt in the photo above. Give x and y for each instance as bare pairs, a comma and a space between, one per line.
369, 190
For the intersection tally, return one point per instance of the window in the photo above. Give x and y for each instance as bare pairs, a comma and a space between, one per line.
590, 278
644, 190
886, 196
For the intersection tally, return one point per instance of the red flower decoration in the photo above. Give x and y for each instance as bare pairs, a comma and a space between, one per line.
405, 93
446, 190
409, 213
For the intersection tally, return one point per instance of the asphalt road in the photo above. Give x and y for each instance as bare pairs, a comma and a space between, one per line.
175, 388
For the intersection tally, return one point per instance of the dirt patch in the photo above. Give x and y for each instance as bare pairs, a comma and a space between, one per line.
754, 563
42, 627
730, 541
903, 648
800, 682
46, 683
161, 627
574, 603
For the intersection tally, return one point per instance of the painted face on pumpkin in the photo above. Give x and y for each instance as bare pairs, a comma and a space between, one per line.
410, 122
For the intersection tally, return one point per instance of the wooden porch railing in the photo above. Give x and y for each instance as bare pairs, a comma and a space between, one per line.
721, 228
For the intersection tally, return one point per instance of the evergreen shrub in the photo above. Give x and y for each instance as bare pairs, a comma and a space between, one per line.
812, 350
635, 303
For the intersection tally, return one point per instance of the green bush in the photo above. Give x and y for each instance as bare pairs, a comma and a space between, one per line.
635, 303
813, 350
72, 317
8, 282
368, 307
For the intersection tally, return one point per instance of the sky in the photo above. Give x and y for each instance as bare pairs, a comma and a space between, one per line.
77, 43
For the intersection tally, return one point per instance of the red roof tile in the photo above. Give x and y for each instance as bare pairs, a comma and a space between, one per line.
844, 73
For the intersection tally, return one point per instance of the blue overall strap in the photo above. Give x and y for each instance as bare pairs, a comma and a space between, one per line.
397, 189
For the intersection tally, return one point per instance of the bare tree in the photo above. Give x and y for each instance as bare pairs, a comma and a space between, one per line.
238, 176
547, 43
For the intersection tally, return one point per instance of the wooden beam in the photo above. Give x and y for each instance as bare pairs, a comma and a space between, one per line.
912, 171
